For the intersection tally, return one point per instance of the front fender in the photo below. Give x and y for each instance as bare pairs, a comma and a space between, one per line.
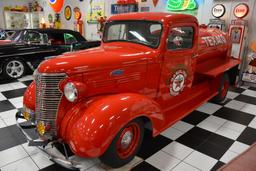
89, 128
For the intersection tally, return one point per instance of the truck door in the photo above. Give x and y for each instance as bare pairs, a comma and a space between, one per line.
178, 65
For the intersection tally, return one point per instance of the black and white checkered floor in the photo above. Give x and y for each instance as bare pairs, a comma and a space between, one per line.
204, 140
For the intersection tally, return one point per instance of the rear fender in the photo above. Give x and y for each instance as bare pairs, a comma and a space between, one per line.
90, 126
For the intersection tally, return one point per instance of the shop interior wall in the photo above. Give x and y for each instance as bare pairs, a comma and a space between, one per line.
4, 3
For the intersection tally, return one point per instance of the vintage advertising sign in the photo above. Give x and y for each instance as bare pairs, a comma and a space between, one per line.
119, 9
218, 11
56, 5
178, 82
241, 10
96, 10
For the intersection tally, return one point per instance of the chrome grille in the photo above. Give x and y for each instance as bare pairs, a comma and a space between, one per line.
48, 97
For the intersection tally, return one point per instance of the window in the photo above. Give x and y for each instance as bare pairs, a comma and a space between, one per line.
180, 38
147, 33
32, 37
69, 39
56, 38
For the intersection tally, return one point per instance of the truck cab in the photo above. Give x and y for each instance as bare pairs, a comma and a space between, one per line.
151, 68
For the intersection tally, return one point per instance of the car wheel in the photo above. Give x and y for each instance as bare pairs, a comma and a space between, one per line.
14, 68
223, 89
125, 145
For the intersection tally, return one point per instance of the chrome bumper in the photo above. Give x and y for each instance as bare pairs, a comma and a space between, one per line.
34, 140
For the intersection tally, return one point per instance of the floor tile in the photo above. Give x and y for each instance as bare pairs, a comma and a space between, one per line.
152, 145
209, 108
2, 97
172, 133
234, 115
248, 136
209, 126
238, 147
234, 104
30, 150
6, 105
26, 78
10, 137
14, 93
195, 159
229, 133
163, 161
232, 95
182, 126
249, 93
5, 87
2, 124
17, 102
8, 114
41, 160
228, 156
246, 99
194, 137
218, 165
11, 155
143, 166
27, 83
237, 89
17, 85
185, 167
234, 126
25, 164
195, 117
212, 147
253, 123
249, 108
177, 150
54, 167
252, 88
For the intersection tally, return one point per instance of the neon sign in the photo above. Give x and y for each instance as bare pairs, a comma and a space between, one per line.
181, 5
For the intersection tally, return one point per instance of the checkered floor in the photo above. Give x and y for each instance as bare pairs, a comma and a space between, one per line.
205, 140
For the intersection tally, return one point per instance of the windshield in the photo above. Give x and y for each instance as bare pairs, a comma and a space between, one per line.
15, 36
143, 32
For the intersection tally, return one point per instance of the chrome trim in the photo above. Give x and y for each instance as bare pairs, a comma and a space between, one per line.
48, 97
52, 153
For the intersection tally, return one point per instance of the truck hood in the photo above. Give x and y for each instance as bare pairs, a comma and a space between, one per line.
105, 56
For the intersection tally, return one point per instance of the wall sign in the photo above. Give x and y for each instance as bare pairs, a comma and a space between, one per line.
118, 9
241, 10
97, 10
218, 10
68, 12
181, 5
56, 5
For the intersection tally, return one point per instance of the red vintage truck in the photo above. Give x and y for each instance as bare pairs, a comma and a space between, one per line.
152, 68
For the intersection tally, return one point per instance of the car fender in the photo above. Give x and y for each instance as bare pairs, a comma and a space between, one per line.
89, 128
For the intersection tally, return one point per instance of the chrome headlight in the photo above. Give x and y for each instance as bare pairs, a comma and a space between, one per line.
70, 92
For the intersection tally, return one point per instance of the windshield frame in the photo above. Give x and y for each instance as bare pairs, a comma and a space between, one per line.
125, 21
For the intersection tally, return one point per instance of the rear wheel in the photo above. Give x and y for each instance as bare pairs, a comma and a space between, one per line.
125, 145
14, 68
223, 89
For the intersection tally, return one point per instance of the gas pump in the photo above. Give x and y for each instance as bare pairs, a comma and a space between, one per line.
79, 24
218, 11
238, 31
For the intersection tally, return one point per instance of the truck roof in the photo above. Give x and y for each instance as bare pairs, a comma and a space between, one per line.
163, 17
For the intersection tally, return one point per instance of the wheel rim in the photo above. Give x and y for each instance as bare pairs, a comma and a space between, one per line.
224, 89
128, 141
15, 69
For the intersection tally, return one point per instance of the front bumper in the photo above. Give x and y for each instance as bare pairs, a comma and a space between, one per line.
28, 129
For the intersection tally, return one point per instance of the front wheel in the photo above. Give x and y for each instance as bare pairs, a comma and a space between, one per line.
223, 89
14, 68
125, 145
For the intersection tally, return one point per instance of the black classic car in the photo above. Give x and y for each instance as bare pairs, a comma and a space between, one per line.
26, 49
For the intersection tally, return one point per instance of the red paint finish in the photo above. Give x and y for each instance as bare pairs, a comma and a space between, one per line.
122, 81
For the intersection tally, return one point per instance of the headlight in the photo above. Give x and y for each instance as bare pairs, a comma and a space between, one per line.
70, 92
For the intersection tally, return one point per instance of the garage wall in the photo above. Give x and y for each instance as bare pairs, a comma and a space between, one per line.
4, 3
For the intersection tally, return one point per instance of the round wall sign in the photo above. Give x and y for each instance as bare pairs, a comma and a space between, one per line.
78, 15
56, 5
218, 10
241, 10
68, 12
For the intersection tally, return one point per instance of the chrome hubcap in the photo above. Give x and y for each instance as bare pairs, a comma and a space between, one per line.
15, 69
126, 140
